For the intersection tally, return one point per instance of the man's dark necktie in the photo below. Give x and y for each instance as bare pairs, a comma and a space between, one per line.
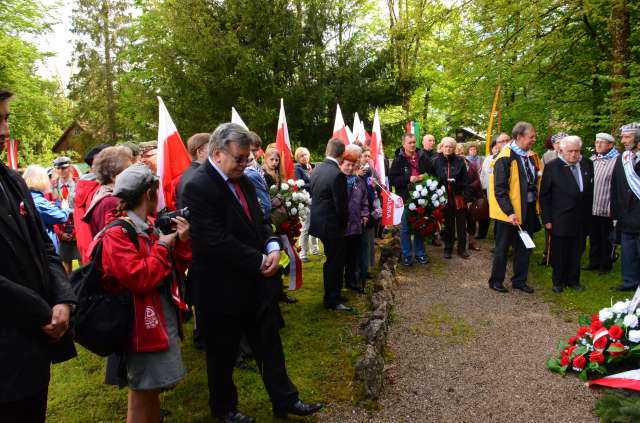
530, 176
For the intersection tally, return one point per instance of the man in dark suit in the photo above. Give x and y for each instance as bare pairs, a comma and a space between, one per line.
566, 197
35, 298
235, 257
197, 147
329, 212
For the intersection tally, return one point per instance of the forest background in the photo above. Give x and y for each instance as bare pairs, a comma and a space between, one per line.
570, 65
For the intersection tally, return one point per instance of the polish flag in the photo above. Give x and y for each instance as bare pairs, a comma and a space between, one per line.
358, 131
173, 158
235, 118
625, 380
377, 152
392, 208
283, 144
356, 126
339, 128
12, 153
350, 136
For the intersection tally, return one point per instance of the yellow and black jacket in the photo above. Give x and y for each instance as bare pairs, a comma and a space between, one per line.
507, 190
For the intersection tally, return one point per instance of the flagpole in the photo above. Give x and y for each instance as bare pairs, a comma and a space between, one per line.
490, 128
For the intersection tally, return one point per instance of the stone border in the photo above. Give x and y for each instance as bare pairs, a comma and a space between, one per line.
370, 367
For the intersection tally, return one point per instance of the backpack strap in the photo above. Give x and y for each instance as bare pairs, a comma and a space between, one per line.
127, 226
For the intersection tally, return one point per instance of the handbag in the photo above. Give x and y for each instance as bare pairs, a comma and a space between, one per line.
479, 209
103, 320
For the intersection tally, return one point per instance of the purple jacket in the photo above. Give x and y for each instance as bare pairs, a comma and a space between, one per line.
358, 207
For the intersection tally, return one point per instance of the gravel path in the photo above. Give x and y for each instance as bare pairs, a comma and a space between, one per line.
464, 353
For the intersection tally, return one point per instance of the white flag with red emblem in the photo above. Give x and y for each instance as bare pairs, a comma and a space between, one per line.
283, 144
339, 128
173, 158
12, 154
392, 208
377, 150
235, 118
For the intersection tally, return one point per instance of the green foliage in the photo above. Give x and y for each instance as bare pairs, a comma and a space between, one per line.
619, 407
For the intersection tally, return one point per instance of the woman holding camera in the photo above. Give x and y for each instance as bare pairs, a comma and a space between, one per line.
150, 271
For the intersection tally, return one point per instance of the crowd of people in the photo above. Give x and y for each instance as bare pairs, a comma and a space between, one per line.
222, 259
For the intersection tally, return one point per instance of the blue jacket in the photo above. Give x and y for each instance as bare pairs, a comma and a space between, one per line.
50, 214
262, 191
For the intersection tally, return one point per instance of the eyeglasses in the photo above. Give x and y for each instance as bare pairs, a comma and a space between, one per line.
240, 160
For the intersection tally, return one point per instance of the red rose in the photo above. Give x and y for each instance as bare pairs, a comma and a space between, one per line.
619, 345
616, 332
564, 361
595, 325
569, 350
437, 213
420, 210
583, 331
573, 339
579, 362
601, 342
596, 357
595, 317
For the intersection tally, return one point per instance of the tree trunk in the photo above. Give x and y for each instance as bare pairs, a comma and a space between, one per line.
620, 30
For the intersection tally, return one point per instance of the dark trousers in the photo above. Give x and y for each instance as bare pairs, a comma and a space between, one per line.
565, 260
630, 259
455, 226
600, 246
222, 337
32, 409
507, 235
352, 260
483, 228
333, 270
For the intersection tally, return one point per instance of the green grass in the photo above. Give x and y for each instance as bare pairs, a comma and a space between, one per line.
321, 347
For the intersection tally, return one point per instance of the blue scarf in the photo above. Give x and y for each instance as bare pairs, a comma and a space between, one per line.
519, 151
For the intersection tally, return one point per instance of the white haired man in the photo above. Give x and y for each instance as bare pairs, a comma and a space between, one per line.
566, 197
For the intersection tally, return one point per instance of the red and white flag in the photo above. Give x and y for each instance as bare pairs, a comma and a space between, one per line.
173, 158
377, 152
625, 380
392, 208
283, 144
339, 128
235, 118
12, 153
359, 133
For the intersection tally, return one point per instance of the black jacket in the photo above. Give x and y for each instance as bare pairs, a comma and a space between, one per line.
453, 167
329, 201
32, 280
625, 206
562, 203
303, 173
227, 246
186, 175
400, 172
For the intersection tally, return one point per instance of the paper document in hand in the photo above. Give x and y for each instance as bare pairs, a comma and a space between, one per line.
526, 239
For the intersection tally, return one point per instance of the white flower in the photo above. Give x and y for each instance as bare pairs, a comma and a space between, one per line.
419, 187
288, 203
294, 211
631, 320
291, 182
300, 183
634, 335
638, 311
284, 187
415, 195
440, 191
432, 187
605, 314
436, 203
424, 193
421, 202
412, 206
620, 307
434, 197
441, 199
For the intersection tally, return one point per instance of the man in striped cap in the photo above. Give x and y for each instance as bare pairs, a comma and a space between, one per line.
601, 248
625, 205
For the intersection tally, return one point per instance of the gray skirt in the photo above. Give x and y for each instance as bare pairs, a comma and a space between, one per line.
160, 369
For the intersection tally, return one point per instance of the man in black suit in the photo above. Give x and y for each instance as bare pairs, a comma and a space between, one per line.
329, 213
197, 147
566, 197
235, 257
35, 298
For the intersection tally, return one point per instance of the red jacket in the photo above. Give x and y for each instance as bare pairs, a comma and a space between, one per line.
141, 271
84, 194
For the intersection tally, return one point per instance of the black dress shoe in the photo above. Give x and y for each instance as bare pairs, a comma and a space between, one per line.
464, 255
447, 255
498, 287
299, 408
236, 417
524, 288
557, 289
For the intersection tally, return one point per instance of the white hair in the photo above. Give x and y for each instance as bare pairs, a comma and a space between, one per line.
353, 148
570, 139
448, 139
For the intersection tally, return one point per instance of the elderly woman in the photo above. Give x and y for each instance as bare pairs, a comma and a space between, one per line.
303, 170
38, 182
153, 359
358, 216
452, 172
106, 165
601, 225
476, 193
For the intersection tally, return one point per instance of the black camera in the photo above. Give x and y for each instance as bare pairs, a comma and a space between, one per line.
164, 223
